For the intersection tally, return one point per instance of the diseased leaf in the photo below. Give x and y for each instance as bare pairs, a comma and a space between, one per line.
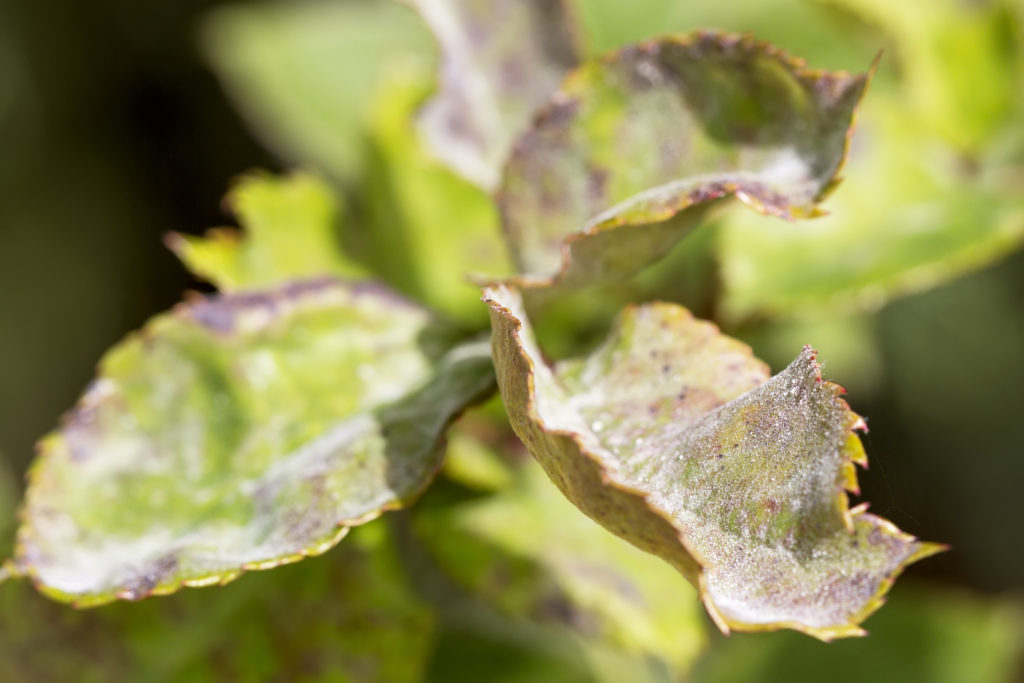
634, 139
343, 617
528, 551
302, 72
242, 432
500, 60
672, 436
290, 233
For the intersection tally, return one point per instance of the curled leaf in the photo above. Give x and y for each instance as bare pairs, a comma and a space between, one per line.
635, 138
501, 59
242, 432
672, 436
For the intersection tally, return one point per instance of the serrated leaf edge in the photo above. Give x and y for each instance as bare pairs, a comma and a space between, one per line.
852, 453
797, 66
19, 567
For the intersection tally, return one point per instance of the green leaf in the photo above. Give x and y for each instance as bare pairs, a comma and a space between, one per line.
672, 436
242, 432
897, 227
500, 62
341, 618
528, 551
289, 234
931, 190
961, 64
303, 72
448, 227
635, 138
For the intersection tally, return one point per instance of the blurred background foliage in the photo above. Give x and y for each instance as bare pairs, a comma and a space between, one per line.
124, 121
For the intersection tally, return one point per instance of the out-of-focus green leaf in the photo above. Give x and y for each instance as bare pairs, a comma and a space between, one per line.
446, 226
929, 635
243, 432
530, 552
908, 217
850, 345
500, 60
471, 462
483, 645
634, 139
289, 234
932, 183
8, 522
672, 436
962, 63
802, 27
303, 72
349, 616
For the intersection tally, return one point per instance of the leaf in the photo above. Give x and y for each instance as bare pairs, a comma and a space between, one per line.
528, 551
242, 432
931, 192
448, 227
500, 61
962, 65
341, 618
672, 436
302, 72
289, 234
634, 139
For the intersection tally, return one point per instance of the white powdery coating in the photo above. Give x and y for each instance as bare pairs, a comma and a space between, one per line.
749, 468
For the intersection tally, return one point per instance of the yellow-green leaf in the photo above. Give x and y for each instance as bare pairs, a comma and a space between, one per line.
291, 232
674, 437
932, 187
447, 226
637, 137
242, 432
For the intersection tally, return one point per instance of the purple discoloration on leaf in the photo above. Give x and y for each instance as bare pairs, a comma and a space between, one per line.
674, 437
241, 432
668, 125
500, 60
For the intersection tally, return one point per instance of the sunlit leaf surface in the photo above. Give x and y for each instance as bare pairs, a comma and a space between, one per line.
500, 60
932, 188
290, 233
242, 432
673, 436
447, 226
634, 138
